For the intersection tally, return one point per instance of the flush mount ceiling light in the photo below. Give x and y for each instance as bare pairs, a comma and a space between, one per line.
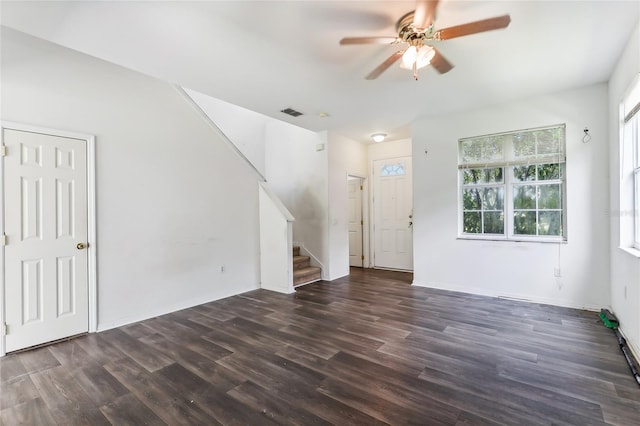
378, 137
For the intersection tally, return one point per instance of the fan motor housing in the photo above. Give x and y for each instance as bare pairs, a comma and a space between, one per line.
409, 33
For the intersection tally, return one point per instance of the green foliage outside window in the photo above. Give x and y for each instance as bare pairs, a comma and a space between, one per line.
482, 202
536, 200
513, 183
537, 205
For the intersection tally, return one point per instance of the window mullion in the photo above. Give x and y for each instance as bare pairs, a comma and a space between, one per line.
509, 201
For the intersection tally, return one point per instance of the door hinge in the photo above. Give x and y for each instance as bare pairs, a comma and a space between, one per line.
3, 240
3, 150
361, 222
360, 187
362, 257
5, 329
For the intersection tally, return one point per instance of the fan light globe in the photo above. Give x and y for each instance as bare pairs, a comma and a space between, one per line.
409, 56
425, 55
378, 137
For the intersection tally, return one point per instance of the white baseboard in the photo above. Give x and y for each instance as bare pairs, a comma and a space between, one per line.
511, 296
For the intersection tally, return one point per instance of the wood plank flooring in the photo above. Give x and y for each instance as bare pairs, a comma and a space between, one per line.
367, 349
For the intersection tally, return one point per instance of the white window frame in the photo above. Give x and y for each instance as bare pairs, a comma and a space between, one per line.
635, 135
507, 163
634, 122
630, 170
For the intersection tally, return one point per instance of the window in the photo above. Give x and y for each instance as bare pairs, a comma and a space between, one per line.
631, 132
512, 185
396, 169
630, 169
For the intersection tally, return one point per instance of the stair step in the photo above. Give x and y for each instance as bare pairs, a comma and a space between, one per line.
300, 262
296, 250
306, 275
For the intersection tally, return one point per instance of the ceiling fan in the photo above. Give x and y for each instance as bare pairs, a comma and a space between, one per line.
417, 29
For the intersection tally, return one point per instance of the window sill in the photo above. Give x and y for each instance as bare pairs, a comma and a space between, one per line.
631, 250
515, 240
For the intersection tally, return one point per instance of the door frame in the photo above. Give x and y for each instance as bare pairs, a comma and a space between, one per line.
372, 240
364, 181
91, 221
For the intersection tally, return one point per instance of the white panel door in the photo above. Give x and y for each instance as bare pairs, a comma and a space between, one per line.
354, 199
393, 205
46, 280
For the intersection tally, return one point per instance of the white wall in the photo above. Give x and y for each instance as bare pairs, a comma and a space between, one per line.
243, 127
174, 203
392, 149
514, 269
346, 157
625, 268
297, 174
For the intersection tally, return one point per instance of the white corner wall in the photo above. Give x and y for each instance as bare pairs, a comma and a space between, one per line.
276, 248
297, 173
625, 268
513, 269
174, 204
346, 157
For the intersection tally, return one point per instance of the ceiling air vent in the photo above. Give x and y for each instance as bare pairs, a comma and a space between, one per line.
292, 112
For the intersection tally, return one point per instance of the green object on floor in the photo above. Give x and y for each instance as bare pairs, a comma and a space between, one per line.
609, 320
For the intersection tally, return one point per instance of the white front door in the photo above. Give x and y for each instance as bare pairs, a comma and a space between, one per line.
354, 198
393, 205
45, 211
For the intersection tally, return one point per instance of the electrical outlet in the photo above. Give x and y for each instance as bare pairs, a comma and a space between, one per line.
557, 272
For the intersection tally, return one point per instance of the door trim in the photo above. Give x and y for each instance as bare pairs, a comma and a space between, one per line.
364, 211
91, 221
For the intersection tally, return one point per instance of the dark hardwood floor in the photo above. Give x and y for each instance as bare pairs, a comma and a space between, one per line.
368, 349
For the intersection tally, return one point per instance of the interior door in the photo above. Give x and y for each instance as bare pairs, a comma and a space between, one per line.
46, 273
393, 206
354, 196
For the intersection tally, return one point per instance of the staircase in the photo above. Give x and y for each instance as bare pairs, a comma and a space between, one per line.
303, 272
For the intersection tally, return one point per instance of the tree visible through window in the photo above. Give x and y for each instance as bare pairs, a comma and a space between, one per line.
483, 201
512, 185
537, 199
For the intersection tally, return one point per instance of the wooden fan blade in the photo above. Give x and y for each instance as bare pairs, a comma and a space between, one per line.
368, 40
425, 12
473, 28
440, 63
383, 66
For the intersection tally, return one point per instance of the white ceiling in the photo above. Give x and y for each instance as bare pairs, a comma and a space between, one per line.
269, 55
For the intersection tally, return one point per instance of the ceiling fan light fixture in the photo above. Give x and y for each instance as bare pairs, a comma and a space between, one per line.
421, 57
416, 28
378, 137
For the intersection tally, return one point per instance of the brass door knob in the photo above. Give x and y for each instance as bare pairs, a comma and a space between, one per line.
82, 246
